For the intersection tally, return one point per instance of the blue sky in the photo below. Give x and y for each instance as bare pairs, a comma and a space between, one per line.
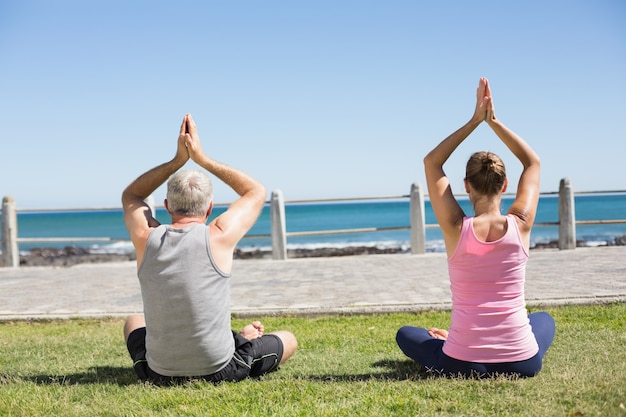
318, 99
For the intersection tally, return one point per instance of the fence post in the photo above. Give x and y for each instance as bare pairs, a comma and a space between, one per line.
418, 223
279, 233
567, 217
10, 254
150, 202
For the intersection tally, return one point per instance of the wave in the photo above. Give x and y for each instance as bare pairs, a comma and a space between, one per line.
436, 246
126, 247
117, 248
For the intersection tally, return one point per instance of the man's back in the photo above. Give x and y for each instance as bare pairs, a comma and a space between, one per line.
186, 303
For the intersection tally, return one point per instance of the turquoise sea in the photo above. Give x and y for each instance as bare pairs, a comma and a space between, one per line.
379, 214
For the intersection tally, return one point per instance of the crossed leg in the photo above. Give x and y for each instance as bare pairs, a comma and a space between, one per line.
250, 331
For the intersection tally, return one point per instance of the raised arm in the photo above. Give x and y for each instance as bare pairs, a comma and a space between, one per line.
527, 197
234, 223
137, 215
447, 210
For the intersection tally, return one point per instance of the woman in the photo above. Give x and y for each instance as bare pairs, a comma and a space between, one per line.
490, 332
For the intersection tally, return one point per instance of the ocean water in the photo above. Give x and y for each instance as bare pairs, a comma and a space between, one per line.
385, 215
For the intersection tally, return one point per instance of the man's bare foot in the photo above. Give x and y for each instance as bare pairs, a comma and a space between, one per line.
253, 330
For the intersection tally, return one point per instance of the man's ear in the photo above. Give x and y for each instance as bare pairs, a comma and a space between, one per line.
208, 212
166, 206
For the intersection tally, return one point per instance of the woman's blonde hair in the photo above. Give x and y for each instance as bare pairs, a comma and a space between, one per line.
485, 172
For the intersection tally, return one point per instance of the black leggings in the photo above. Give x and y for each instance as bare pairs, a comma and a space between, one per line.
418, 345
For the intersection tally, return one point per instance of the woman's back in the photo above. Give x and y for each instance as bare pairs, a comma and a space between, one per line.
489, 318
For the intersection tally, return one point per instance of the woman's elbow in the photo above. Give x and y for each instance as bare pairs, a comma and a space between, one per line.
429, 160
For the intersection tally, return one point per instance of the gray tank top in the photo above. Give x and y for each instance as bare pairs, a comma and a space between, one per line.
186, 301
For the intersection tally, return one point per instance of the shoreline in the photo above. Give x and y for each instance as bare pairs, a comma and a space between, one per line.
70, 255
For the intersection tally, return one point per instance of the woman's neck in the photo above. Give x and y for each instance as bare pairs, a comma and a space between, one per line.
487, 205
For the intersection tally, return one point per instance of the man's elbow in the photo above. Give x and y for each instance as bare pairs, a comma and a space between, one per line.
125, 198
129, 198
261, 193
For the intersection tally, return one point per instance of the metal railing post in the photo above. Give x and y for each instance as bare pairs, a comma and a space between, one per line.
10, 253
277, 219
150, 202
418, 224
567, 217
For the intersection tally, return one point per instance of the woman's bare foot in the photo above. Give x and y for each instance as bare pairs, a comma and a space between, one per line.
253, 330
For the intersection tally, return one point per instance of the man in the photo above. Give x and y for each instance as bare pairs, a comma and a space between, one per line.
183, 269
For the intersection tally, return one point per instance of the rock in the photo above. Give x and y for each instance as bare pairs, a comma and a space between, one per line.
68, 256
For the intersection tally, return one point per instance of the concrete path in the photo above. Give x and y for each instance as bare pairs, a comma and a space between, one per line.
355, 284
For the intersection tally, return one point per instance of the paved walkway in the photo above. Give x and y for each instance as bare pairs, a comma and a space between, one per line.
355, 284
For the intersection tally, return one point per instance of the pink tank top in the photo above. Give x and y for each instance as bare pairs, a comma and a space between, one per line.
489, 319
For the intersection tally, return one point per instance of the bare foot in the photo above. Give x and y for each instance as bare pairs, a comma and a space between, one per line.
253, 330
438, 333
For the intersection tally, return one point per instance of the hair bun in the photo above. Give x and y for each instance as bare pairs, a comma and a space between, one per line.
489, 164
485, 172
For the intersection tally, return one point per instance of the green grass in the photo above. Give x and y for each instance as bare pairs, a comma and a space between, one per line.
345, 366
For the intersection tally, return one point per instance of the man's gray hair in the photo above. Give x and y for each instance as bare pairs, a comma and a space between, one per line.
189, 193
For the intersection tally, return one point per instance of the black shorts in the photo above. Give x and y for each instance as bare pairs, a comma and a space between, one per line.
252, 359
